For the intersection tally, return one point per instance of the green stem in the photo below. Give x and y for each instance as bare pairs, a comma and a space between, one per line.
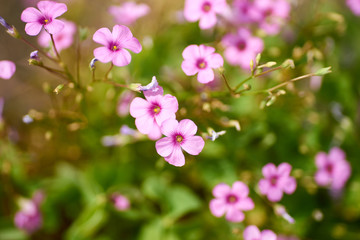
107, 73
55, 50
42, 52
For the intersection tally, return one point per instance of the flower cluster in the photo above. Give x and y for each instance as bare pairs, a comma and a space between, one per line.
155, 116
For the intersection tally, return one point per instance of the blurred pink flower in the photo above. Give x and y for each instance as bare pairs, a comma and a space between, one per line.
121, 203
253, 233
7, 69
201, 59
271, 14
231, 201
36, 19
276, 181
354, 5
149, 114
128, 12
333, 169
242, 47
179, 135
244, 11
62, 39
115, 43
124, 102
284, 237
204, 10
29, 217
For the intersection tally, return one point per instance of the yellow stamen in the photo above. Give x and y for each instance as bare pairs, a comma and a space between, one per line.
202, 65
114, 48
46, 21
179, 138
156, 109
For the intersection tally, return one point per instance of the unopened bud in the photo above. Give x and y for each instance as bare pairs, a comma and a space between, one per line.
11, 30
323, 71
92, 64
58, 88
257, 59
288, 63
135, 87
267, 65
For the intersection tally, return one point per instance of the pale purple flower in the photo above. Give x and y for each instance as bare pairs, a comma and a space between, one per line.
242, 47
253, 233
271, 14
29, 217
205, 11
202, 60
129, 12
231, 201
7, 69
179, 135
115, 43
354, 5
333, 169
151, 112
46, 17
121, 203
277, 180
62, 39
35, 55
152, 88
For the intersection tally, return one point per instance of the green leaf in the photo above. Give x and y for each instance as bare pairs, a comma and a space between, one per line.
153, 230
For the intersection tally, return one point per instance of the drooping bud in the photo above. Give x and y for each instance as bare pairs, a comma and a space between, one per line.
11, 30
92, 64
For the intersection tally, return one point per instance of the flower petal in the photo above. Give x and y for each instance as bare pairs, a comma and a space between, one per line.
121, 33
57, 10
139, 107
193, 145
215, 60
33, 28
221, 190
245, 204
322, 178
289, 186
264, 186
145, 124
207, 21
103, 36
240, 189
187, 127
284, 169
103, 54
121, 58
133, 45
165, 146
7, 70
234, 215
217, 207
31, 15
155, 132
251, 232
206, 75
268, 235
169, 126
176, 158
191, 52
205, 51
189, 67
54, 26
274, 194
269, 170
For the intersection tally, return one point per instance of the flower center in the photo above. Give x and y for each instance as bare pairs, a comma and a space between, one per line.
201, 64
156, 109
231, 198
273, 180
179, 138
114, 48
206, 7
329, 168
45, 21
268, 12
241, 45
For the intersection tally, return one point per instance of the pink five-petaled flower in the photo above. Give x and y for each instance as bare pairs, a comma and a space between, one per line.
201, 59
204, 10
242, 47
333, 169
149, 114
115, 43
253, 233
276, 181
179, 135
7, 69
129, 12
231, 201
63, 39
36, 19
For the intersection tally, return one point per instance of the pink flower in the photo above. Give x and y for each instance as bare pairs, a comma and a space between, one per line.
271, 14
253, 233
231, 201
36, 19
276, 181
128, 12
204, 10
354, 5
115, 43
62, 39
7, 69
152, 112
201, 59
179, 135
242, 47
333, 169
29, 217
125, 99
244, 11
121, 203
